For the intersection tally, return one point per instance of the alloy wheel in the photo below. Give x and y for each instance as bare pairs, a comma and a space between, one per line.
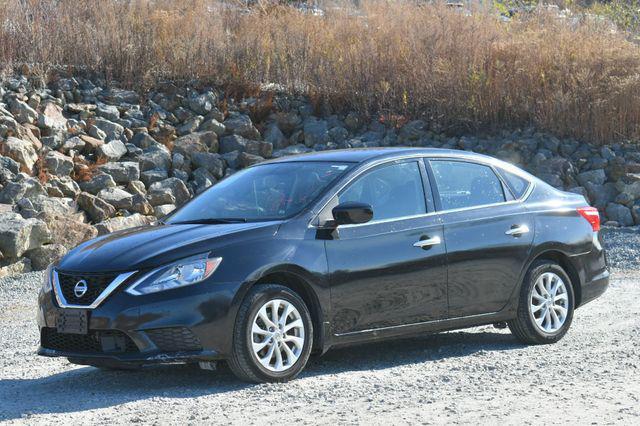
277, 335
549, 302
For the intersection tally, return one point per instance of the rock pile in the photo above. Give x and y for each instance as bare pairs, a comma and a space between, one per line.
79, 158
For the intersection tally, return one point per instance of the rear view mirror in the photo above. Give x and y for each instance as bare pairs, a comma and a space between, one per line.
351, 213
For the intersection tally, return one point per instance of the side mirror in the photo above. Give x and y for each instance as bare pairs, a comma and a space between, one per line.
351, 213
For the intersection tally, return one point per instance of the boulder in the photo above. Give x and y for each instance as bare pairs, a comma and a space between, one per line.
212, 125
42, 257
10, 267
620, 214
23, 113
202, 104
91, 143
139, 204
97, 182
155, 157
596, 177
190, 126
275, 137
288, 122
97, 209
18, 235
117, 197
119, 223
247, 159
111, 130
211, 162
202, 179
144, 140
62, 205
21, 151
58, 164
239, 143
68, 231
136, 187
110, 112
65, 185
73, 144
240, 124
149, 177
196, 142
51, 117
112, 151
172, 186
163, 210
315, 131
122, 172
23, 186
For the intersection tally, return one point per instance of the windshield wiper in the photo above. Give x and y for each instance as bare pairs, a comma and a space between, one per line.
211, 221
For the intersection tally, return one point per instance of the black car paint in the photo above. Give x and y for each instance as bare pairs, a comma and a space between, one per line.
362, 282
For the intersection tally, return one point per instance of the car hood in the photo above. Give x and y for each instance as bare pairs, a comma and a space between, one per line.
150, 246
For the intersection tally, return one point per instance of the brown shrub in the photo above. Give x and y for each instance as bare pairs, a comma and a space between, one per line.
464, 73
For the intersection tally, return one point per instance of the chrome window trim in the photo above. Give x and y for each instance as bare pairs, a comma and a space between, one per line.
480, 161
62, 302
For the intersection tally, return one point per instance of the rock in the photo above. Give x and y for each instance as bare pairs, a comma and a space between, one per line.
51, 117
212, 125
601, 195
631, 190
211, 162
97, 133
597, 177
238, 143
620, 214
172, 186
42, 257
9, 164
44, 203
240, 124
91, 143
196, 142
111, 130
291, 150
247, 159
112, 151
65, 185
73, 144
203, 104
413, 130
288, 122
148, 177
202, 180
97, 182
190, 126
155, 157
144, 140
58, 164
23, 113
139, 204
117, 197
21, 151
160, 198
353, 121
97, 209
23, 186
110, 112
315, 131
119, 223
136, 187
231, 158
275, 137
68, 231
9, 267
163, 210
122, 172
635, 213
121, 96
18, 235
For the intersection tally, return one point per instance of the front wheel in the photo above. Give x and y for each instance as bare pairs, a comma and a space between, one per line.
545, 308
273, 335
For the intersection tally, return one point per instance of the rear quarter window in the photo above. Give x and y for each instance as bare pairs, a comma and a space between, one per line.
517, 184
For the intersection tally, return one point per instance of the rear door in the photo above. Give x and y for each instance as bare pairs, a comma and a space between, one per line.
487, 231
391, 270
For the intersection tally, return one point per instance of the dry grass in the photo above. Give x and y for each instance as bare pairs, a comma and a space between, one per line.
463, 73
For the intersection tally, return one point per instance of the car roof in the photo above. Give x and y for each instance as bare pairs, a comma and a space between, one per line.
362, 155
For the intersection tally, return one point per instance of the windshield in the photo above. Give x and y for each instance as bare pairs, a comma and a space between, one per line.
265, 192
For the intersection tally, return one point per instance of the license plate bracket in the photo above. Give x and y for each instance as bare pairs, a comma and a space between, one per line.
72, 321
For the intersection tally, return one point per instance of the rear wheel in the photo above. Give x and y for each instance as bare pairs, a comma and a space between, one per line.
545, 308
273, 335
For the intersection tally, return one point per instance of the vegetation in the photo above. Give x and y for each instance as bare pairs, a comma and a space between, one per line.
461, 71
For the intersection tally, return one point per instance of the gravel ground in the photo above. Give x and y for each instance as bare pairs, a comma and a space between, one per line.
469, 376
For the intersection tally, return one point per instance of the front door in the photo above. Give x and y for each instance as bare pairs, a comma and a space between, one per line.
390, 271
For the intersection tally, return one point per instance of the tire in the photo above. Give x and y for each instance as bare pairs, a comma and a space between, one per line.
535, 328
244, 361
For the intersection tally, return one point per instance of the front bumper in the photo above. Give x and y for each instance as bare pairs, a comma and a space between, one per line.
188, 324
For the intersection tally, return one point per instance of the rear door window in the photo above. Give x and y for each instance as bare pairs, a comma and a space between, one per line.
463, 184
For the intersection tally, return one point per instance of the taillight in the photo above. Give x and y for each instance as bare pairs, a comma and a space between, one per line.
592, 216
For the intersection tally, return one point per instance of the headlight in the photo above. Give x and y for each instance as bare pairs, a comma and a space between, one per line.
46, 281
182, 273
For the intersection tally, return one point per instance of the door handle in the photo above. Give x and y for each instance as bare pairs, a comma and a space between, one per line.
427, 242
517, 230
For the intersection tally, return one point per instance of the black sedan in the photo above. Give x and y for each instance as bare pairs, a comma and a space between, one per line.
297, 255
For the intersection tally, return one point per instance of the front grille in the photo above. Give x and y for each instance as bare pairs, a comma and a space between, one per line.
96, 284
174, 339
107, 341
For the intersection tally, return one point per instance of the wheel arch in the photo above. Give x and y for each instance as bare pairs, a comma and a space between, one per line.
565, 262
298, 281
